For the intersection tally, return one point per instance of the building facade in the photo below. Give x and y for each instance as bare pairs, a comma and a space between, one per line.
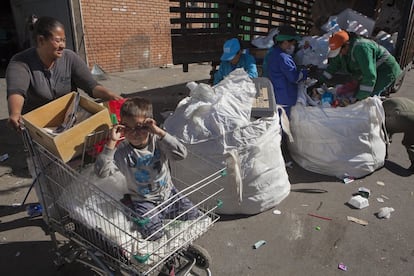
118, 35
126, 35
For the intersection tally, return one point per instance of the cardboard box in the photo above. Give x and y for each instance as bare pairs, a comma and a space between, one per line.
69, 143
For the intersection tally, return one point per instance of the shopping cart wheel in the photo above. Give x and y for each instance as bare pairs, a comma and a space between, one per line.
200, 254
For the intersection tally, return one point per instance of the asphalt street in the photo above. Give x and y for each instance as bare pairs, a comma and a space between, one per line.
295, 242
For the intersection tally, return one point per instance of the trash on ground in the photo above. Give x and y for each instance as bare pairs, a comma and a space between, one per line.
343, 267
17, 254
34, 210
348, 179
357, 220
380, 183
316, 216
259, 244
320, 205
358, 202
277, 212
318, 228
304, 205
380, 199
386, 197
385, 212
364, 192
4, 157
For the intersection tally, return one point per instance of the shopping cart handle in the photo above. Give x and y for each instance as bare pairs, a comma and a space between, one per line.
224, 172
219, 203
141, 222
142, 259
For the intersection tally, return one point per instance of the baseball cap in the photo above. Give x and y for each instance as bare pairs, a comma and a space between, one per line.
336, 41
287, 32
230, 48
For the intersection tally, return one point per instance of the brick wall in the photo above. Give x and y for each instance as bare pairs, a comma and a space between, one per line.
127, 35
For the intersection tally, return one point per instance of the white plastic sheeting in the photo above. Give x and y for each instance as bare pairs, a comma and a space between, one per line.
257, 179
342, 141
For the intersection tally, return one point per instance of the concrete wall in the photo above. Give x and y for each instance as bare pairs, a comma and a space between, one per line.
126, 35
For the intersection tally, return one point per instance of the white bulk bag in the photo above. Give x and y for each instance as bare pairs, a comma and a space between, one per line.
342, 141
257, 179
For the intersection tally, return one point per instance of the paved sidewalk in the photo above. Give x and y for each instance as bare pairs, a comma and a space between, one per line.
149, 79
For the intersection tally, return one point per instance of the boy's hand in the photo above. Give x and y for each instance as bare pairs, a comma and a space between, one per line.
151, 124
115, 136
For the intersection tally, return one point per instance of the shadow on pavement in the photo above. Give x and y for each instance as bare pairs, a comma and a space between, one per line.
397, 169
298, 175
11, 143
19, 222
163, 99
24, 258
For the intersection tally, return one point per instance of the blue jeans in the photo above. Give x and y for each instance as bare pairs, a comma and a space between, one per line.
155, 222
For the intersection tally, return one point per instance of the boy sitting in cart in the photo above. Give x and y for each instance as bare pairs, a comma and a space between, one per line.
143, 159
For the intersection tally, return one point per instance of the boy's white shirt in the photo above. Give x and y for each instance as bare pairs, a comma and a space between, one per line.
146, 170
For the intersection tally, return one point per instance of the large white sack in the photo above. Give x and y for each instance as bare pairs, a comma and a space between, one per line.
257, 179
224, 107
342, 141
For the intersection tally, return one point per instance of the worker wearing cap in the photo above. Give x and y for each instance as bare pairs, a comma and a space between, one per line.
374, 67
233, 58
282, 70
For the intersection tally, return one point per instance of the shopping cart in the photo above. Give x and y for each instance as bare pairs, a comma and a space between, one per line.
100, 231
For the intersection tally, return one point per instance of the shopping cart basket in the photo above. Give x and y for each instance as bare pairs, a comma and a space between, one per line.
100, 230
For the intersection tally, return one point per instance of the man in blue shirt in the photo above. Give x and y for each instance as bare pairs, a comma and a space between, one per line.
233, 58
282, 70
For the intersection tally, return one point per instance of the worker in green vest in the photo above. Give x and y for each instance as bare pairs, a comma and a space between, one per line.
370, 63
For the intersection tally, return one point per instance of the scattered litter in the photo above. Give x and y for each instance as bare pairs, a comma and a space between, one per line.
348, 179
316, 216
277, 212
383, 196
385, 212
320, 205
258, 244
16, 204
357, 220
343, 267
34, 210
304, 205
4, 157
358, 202
380, 199
289, 164
364, 192
318, 228
17, 254
380, 183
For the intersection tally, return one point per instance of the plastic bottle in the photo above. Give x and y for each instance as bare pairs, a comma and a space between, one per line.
34, 210
327, 99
